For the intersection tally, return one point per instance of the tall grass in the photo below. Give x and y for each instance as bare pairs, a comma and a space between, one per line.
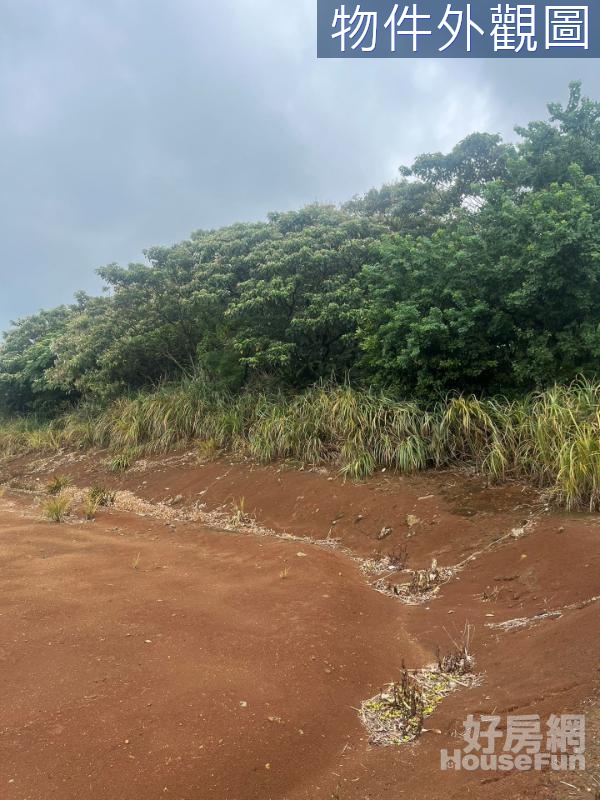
549, 438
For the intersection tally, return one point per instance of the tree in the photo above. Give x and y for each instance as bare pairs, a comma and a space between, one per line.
500, 301
27, 353
570, 137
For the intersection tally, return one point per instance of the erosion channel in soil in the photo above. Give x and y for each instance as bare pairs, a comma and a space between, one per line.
149, 654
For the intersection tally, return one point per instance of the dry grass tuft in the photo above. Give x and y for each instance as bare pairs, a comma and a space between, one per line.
459, 660
90, 505
206, 450
57, 508
239, 516
58, 483
101, 496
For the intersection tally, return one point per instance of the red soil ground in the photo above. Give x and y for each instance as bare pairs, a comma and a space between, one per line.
143, 660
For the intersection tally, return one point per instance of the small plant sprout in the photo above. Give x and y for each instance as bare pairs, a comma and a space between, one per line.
57, 508
58, 483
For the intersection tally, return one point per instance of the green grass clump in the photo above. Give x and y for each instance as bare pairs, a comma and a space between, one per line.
120, 462
57, 508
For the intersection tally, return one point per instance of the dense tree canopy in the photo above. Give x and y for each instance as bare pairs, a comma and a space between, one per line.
479, 270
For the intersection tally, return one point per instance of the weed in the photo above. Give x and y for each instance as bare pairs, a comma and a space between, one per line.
397, 713
206, 450
101, 496
120, 462
459, 660
58, 483
56, 509
239, 515
90, 506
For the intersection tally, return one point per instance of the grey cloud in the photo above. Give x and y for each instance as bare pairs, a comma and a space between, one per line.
129, 123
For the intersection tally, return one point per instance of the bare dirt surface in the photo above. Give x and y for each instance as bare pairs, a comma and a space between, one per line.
143, 659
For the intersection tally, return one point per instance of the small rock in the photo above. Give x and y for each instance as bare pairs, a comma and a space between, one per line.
384, 533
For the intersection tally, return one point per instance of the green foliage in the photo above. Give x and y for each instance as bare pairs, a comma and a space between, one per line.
26, 359
474, 162
502, 301
475, 275
477, 272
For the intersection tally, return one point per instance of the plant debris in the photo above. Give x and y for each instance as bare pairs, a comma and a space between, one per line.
396, 715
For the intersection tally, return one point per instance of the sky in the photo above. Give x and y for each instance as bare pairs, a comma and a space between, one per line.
130, 123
